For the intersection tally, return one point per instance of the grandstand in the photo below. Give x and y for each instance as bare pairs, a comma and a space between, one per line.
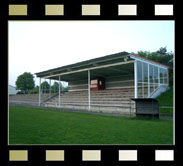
24, 99
104, 84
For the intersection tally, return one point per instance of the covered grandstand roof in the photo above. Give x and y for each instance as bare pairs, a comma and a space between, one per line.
85, 65
114, 64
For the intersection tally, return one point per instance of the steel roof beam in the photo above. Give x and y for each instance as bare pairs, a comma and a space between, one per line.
92, 68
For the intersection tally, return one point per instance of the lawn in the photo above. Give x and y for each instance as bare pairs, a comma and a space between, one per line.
43, 126
166, 99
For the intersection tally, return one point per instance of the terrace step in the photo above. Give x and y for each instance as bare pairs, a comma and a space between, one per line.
96, 108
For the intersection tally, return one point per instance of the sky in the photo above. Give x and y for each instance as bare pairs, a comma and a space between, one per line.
35, 46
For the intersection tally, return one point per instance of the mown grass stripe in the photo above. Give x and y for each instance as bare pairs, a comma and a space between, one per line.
44, 126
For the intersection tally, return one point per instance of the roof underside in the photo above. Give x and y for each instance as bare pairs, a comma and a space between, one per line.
110, 65
124, 69
80, 70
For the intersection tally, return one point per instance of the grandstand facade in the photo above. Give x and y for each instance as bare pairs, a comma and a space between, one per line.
104, 84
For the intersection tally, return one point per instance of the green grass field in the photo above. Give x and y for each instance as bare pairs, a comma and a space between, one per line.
43, 126
166, 99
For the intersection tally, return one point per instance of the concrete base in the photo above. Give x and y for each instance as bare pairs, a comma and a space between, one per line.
113, 110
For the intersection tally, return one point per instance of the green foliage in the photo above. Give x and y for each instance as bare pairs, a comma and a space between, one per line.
20, 92
55, 87
45, 87
44, 126
65, 89
35, 90
161, 56
166, 99
25, 82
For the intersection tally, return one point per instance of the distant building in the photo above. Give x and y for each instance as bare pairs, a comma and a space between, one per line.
12, 90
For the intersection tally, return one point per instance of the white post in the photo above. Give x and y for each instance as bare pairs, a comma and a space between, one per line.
135, 79
163, 77
143, 79
59, 92
54, 87
89, 89
167, 73
154, 79
158, 77
50, 89
39, 91
148, 82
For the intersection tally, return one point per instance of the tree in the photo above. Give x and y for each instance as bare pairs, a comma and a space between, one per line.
35, 90
45, 87
25, 82
55, 87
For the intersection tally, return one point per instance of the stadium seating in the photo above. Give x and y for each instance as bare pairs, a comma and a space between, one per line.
108, 101
112, 101
26, 99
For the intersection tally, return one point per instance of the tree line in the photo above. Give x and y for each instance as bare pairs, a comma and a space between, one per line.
25, 83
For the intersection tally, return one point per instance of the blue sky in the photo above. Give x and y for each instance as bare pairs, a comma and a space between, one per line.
36, 46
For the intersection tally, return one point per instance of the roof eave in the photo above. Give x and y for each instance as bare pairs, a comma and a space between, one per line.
138, 56
88, 64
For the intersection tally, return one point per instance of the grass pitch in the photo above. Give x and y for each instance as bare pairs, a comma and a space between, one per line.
43, 126
166, 99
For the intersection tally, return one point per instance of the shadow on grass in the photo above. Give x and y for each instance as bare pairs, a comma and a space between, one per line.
149, 118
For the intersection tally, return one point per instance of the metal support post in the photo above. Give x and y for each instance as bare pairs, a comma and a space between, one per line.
59, 92
142, 79
50, 89
40, 91
148, 82
135, 79
54, 87
163, 77
154, 79
89, 89
158, 77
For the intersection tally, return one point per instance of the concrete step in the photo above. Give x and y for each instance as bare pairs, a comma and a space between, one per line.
94, 98
94, 108
94, 101
104, 96
103, 91
86, 92
99, 92
92, 104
